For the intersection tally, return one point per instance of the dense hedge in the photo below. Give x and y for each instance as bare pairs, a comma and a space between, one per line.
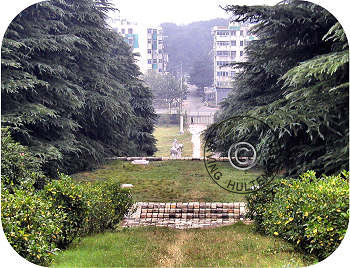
106, 204
30, 224
312, 213
68, 197
39, 221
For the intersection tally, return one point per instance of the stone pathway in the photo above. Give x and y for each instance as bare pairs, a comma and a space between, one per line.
196, 131
185, 215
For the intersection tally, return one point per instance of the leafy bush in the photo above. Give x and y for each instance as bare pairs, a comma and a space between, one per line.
257, 201
39, 220
68, 197
107, 203
19, 168
31, 224
312, 213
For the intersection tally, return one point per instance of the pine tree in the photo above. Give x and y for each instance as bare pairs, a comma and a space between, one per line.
66, 85
295, 79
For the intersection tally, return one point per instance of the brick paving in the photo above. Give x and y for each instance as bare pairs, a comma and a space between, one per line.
183, 215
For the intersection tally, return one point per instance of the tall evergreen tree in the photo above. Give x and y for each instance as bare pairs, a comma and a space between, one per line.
66, 85
296, 80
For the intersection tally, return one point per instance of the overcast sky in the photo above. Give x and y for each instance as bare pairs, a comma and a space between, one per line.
155, 12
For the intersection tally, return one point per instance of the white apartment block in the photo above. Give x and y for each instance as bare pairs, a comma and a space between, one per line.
157, 59
147, 42
228, 47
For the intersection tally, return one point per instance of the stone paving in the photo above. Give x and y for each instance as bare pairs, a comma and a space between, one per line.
185, 215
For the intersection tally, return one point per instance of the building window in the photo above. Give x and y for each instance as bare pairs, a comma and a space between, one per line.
221, 63
123, 31
222, 73
241, 53
233, 54
129, 31
223, 43
154, 61
241, 32
160, 61
149, 41
155, 31
222, 53
241, 43
160, 41
233, 33
222, 33
160, 70
159, 51
149, 31
233, 73
233, 43
149, 51
149, 61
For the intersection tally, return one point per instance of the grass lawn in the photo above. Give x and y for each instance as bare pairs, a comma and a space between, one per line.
165, 136
167, 181
236, 245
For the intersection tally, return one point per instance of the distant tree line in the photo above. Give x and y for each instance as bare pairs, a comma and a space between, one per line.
191, 45
70, 88
296, 80
167, 89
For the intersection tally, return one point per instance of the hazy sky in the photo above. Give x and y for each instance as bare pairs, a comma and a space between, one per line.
155, 12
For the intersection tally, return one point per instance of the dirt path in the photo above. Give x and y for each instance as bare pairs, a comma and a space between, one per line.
196, 131
175, 255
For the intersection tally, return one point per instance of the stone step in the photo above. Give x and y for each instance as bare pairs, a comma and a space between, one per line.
192, 210
186, 214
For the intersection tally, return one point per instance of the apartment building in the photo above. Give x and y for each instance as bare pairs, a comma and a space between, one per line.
129, 30
228, 47
157, 59
147, 41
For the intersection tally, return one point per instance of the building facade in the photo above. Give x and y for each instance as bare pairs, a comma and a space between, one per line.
228, 47
157, 59
148, 42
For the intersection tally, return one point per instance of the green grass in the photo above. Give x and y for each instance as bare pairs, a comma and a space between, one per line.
167, 181
165, 136
236, 246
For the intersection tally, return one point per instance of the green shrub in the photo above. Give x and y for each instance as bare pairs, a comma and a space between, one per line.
89, 208
257, 201
68, 197
30, 224
19, 168
107, 204
312, 213
38, 220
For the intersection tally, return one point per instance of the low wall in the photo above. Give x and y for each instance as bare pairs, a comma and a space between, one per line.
152, 158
